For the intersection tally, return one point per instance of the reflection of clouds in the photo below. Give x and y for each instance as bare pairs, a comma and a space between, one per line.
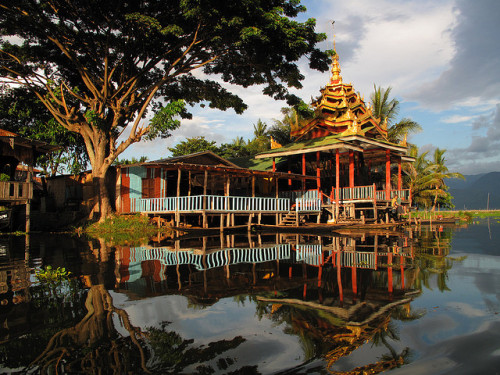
265, 342
152, 311
475, 353
466, 309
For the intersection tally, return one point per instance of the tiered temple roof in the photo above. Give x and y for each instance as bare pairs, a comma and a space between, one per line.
342, 120
340, 110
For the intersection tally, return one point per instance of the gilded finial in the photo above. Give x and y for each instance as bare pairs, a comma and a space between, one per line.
335, 60
384, 124
404, 142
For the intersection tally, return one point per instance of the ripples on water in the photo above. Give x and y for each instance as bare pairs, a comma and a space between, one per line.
420, 302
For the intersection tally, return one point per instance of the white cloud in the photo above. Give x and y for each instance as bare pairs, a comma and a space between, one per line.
457, 119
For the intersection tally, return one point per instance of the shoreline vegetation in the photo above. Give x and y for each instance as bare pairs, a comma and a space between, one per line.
133, 229
126, 229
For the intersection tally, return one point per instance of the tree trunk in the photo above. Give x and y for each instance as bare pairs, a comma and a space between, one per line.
100, 164
101, 191
435, 201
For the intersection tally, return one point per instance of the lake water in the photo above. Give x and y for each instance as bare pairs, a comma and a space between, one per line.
420, 302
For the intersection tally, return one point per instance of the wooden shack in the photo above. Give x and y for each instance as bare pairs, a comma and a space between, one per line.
14, 150
203, 189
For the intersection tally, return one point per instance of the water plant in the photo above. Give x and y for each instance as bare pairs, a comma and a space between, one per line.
52, 275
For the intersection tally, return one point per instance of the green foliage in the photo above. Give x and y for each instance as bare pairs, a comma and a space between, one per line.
426, 179
387, 109
133, 160
4, 177
193, 145
24, 114
166, 119
99, 67
260, 129
125, 230
50, 275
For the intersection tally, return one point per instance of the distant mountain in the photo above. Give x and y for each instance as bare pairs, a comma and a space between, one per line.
472, 194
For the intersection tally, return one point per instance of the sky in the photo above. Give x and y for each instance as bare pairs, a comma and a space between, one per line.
441, 59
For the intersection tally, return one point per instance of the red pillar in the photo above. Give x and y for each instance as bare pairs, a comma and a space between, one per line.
303, 171
339, 279
399, 174
389, 272
274, 165
351, 168
387, 174
337, 175
354, 282
401, 260
318, 172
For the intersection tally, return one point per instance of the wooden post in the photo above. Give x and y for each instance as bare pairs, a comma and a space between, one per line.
226, 190
274, 165
189, 183
276, 196
375, 213
205, 182
388, 175
253, 185
28, 200
289, 171
179, 182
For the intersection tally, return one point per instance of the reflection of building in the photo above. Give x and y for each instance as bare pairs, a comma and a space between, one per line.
340, 266
336, 293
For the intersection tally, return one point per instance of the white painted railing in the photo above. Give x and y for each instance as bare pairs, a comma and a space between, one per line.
214, 259
214, 203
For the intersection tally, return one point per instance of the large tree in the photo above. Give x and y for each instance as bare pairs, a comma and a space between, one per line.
99, 66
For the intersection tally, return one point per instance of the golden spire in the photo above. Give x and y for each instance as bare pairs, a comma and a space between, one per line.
335, 61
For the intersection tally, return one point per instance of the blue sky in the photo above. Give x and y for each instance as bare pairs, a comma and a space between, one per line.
441, 58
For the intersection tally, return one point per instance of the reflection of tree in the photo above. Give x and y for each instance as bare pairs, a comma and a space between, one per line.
173, 354
432, 259
94, 342
324, 333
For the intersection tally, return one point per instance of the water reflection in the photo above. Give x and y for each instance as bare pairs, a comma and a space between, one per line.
252, 303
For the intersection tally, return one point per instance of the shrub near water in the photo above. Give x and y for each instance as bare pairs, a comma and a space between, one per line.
124, 229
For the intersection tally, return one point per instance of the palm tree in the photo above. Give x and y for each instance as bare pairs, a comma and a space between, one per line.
387, 110
239, 141
440, 173
260, 129
384, 108
420, 178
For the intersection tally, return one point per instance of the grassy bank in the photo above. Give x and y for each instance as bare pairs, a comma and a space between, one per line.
125, 229
465, 215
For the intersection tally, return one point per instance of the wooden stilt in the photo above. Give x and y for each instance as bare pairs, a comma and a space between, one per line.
179, 182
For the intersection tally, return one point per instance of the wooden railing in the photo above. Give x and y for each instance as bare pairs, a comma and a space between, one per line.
358, 193
354, 193
307, 205
403, 194
11, 190
214, 203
